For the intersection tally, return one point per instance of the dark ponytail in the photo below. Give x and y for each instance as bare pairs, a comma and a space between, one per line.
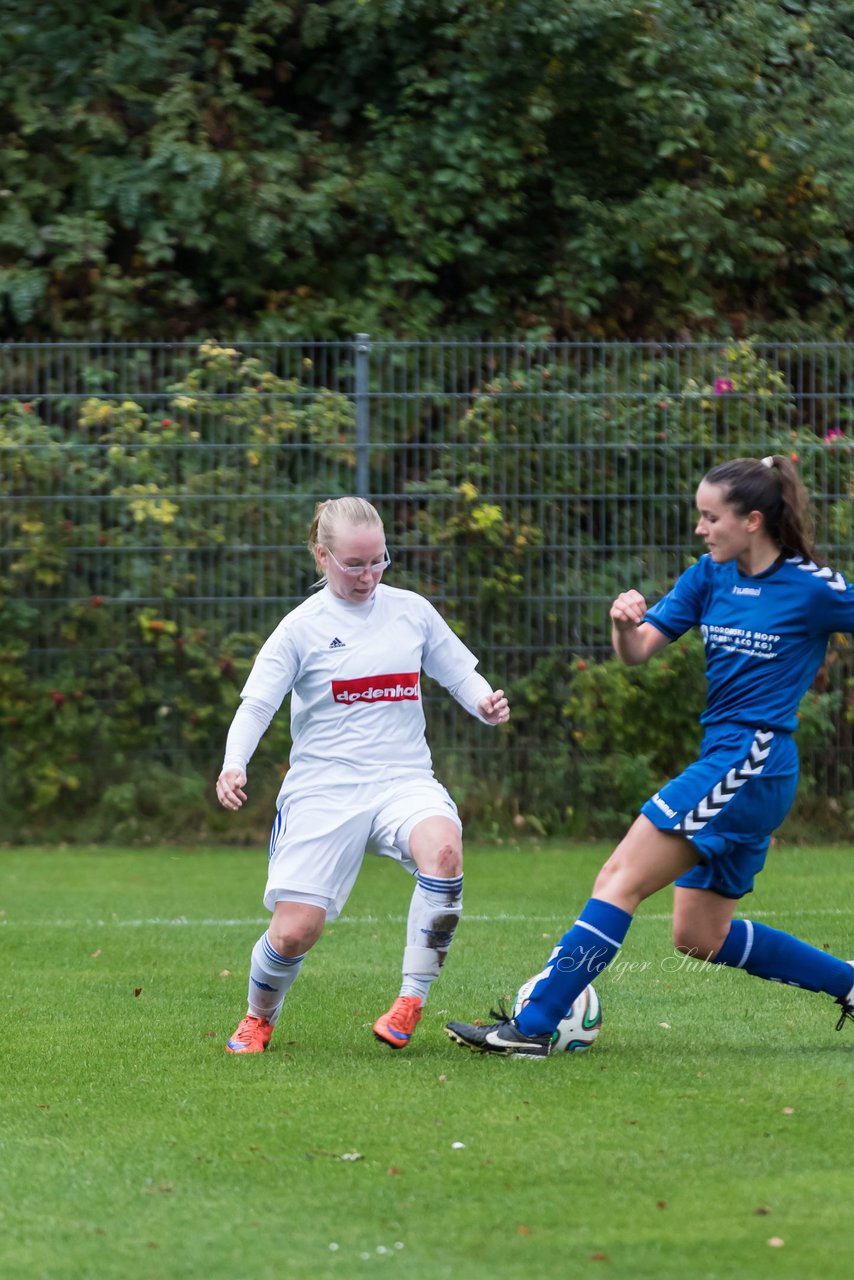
773, 487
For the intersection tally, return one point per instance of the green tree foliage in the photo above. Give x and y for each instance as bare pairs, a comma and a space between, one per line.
117, 534
408, 165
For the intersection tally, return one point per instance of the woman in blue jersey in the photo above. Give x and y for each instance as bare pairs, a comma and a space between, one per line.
765, 609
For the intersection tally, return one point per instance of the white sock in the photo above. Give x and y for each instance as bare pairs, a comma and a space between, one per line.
434, 914
271, 977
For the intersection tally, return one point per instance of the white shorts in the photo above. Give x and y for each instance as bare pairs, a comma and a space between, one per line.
319, 839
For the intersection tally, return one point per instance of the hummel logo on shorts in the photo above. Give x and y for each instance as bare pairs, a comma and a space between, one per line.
337, 644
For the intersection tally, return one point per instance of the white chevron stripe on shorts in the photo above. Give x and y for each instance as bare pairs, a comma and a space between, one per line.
722, 792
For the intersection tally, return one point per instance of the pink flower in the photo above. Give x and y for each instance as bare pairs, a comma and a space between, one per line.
723, 386
835, 433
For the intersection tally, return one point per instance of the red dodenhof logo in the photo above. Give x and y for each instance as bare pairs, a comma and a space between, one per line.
401, 687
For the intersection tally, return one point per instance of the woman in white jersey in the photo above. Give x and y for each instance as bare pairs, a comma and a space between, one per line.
766, 610
360, 776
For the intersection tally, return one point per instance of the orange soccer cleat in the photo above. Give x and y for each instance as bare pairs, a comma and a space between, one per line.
252, 1036
396, 1027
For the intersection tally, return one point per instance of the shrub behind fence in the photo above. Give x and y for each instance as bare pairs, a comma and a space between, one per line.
156, 499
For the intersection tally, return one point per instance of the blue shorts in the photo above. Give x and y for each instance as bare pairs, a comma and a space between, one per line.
728, 803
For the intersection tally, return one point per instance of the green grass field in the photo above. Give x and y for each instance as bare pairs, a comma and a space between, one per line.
711, 1121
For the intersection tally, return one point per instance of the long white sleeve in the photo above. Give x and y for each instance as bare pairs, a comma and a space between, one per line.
469, 692
247, 729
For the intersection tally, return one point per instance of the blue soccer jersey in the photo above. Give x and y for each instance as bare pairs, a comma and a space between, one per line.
765, 636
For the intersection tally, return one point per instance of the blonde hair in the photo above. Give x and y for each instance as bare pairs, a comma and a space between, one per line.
333, 512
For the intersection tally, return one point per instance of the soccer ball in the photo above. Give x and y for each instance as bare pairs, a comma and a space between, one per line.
575, 1032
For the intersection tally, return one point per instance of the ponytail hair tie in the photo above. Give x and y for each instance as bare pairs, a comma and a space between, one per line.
769, 461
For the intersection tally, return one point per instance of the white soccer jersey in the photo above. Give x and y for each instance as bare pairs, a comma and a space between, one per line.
353, 672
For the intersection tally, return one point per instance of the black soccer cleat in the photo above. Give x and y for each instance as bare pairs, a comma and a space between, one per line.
847, 1005
847, 1012
502, 1037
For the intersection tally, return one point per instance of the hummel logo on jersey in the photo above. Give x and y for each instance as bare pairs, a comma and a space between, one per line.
401, 687
663, 806
337, 644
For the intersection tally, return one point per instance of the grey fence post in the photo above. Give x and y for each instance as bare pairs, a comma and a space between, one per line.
363, 413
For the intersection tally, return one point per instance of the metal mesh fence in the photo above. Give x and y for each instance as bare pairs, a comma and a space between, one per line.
522, 485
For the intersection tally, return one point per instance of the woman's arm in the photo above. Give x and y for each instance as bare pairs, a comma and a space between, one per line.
477, 696
247, 728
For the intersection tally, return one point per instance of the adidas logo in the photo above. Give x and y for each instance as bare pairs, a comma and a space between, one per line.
337, 644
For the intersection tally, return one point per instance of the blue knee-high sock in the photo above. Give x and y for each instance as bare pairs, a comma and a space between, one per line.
582, 954
778, 957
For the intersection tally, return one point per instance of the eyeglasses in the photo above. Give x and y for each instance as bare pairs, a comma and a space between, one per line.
356, 570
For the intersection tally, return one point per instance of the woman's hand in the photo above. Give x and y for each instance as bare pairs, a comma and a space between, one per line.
494, 708
633, 643
229, 788
628, 610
